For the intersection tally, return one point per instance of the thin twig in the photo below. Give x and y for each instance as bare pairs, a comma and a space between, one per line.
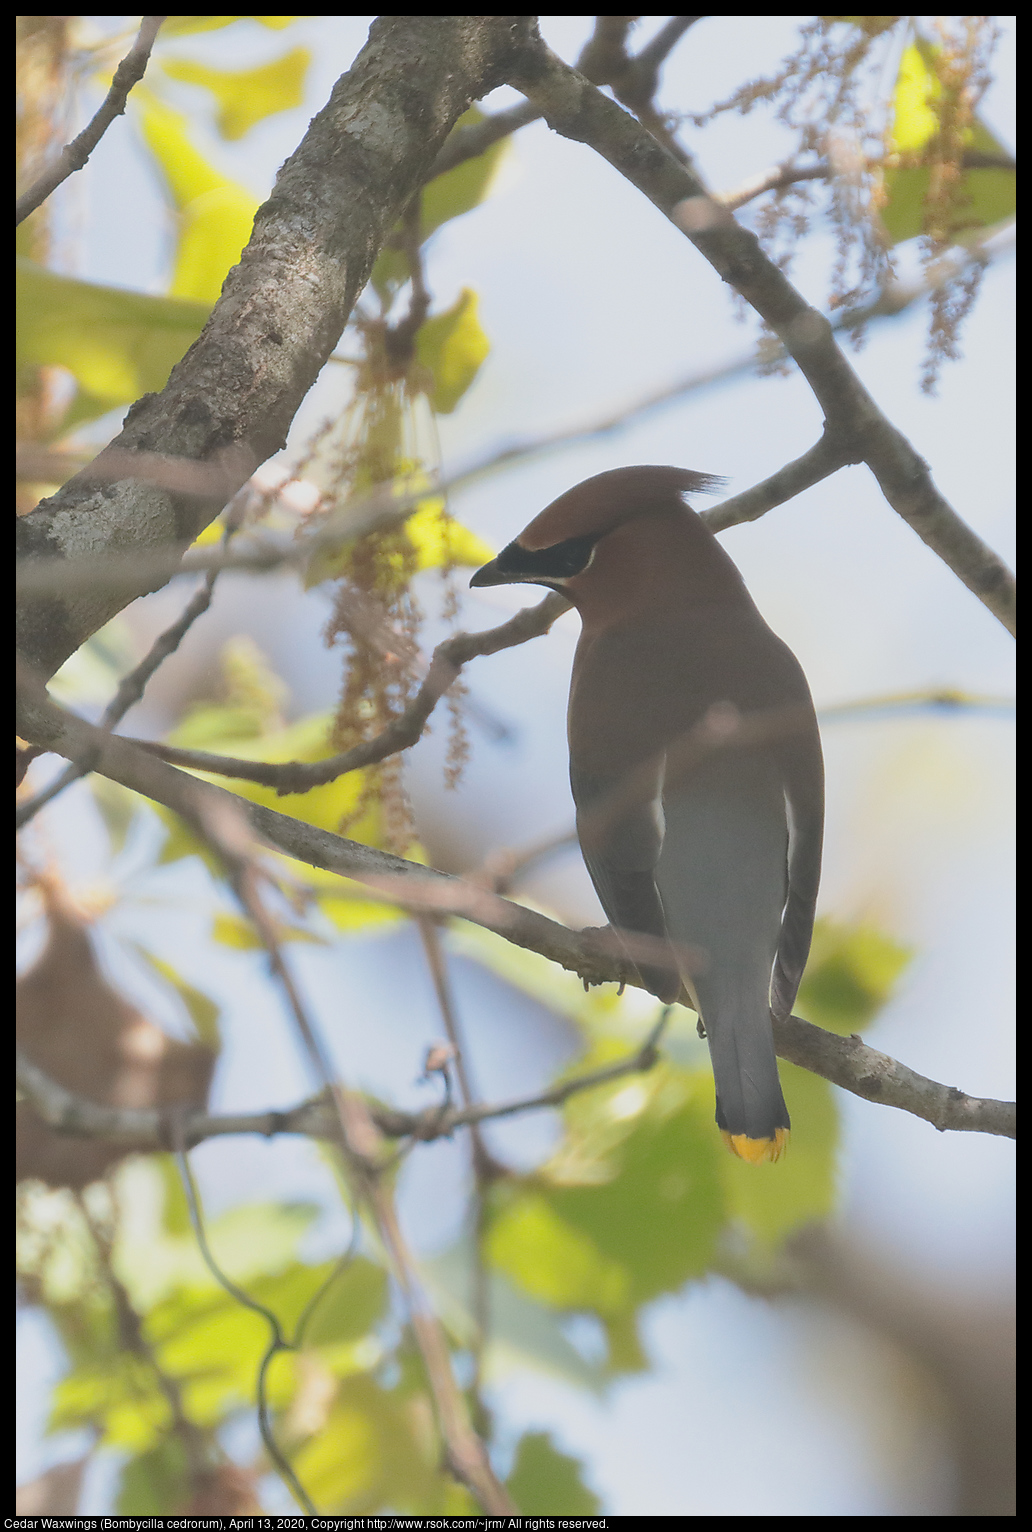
888, 304
405, 730
61, 576
414, 887
74, 155
277, 1342
470, 140
778, 177
486, 1169
229, 834
576, 109
130, 690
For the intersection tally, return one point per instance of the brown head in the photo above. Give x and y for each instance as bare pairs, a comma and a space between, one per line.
618, 540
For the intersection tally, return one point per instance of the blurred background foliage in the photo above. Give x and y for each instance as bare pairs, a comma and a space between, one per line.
636, 1198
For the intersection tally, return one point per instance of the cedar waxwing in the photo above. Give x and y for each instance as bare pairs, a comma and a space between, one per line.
696, 768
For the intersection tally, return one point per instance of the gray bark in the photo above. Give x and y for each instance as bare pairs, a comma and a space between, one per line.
229, 403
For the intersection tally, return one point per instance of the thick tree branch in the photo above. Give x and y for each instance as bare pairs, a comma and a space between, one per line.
576, 109
638, 80
229, 403
846, 1061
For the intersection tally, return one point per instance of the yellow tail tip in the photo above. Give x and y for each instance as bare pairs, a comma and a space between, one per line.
757, 1150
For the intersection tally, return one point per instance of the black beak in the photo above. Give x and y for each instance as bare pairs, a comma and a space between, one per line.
490, 574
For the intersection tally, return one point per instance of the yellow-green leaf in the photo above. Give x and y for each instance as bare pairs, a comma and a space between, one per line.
988, 197
216, 215
915, 121
452, 346
190, 26
213, 230
459, 191
247, 96
440, 540
117, 344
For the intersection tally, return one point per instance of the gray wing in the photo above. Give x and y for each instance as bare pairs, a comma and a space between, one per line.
620, 828
803, 770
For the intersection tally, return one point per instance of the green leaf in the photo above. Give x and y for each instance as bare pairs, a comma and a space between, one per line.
247, 96
156, 1483
630, 1207
212, 1345
554, 1262
546, 1482
452, 346
116, 1394
117, 344
355, 1302
851, 975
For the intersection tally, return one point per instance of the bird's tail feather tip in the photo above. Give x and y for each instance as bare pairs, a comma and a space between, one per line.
756, 1150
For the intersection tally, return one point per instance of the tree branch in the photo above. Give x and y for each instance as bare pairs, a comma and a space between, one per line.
229, 403
846, 1061
778, 177
639, 76
894, 299
405, 731
130, 690
577, 110
229, 836
75, 155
